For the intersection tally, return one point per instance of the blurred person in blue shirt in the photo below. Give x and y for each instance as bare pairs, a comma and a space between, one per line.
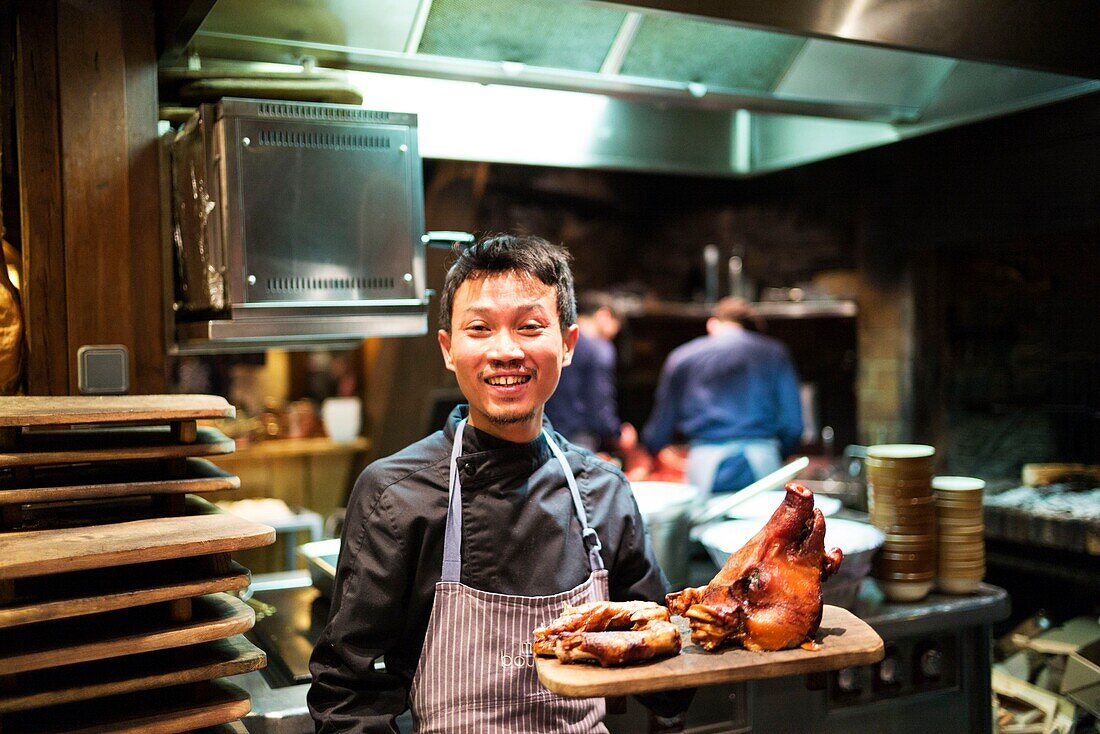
584, 408
733, 394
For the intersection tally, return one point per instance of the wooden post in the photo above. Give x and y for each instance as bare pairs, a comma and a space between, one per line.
11, 517
90, 206
170, 505
176, 468
184, 431
9, 438
180, 610
219, 564
38, 130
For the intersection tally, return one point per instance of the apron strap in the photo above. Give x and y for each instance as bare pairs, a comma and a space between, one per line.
591, 539
452, 536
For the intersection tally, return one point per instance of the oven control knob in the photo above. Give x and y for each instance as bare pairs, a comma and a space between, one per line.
888, 671
931, 663
847, 680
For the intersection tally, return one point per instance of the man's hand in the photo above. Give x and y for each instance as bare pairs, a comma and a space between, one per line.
637, 463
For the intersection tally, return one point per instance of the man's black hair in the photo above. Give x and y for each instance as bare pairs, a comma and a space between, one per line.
504, 253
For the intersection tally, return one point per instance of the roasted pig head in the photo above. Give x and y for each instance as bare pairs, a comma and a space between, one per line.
768, 595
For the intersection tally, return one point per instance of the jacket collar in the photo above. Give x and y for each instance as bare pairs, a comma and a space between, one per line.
487, 459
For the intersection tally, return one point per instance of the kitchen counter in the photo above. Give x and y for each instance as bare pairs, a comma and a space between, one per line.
297, 614
316, 474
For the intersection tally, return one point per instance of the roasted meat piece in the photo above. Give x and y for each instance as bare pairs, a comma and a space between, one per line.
609, 633
768, 595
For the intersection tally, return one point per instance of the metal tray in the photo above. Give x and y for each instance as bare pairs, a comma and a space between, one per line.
321, 557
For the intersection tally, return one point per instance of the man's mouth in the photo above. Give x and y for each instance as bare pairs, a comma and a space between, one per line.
507, 380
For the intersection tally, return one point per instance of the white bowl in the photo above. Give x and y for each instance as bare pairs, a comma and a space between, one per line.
658, 498
905, 590
766, 503
666, 508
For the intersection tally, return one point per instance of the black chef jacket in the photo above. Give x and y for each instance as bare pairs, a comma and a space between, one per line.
520, 535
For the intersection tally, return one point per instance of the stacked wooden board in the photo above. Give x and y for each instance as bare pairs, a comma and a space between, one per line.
117, 611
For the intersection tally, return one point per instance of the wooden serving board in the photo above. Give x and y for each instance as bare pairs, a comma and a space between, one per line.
84, 409
170, 710
39, 448
131, 673
845, 640
125, 632
104, 590
202, 531
61, 483
233, 727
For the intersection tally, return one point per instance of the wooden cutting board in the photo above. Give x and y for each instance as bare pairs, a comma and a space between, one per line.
182, 708
203, 530
233, 727
104, 590
62, 483
845, 641
1040, 475
83, 409
39, 448
131, 673
125, 632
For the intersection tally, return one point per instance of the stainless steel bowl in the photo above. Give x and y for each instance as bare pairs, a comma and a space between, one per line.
666, 509
857, 540
321, 557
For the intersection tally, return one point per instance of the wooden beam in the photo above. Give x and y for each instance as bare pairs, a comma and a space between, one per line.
94, 154
147, 289
37, 124
110, 171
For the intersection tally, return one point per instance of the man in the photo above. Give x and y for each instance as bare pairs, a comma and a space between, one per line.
457, 547
583, 408
734, 395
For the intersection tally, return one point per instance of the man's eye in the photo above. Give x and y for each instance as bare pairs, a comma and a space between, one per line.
477, 328
532, 327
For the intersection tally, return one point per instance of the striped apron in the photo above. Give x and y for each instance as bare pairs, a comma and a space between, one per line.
477, 669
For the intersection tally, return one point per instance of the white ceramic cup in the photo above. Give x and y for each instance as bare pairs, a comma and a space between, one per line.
341, 417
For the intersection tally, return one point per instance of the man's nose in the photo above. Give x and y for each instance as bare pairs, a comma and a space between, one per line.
505, 347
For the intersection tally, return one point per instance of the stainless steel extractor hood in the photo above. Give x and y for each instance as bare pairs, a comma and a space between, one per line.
716, 87
296, 225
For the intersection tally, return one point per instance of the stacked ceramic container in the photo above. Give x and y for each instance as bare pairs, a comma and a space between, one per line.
960, 544
901, 504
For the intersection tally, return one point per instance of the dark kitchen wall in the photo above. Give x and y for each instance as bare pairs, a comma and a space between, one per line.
979, 243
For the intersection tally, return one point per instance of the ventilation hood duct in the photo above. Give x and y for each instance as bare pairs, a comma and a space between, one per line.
712, 87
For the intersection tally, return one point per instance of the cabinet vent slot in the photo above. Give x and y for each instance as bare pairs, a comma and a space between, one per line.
288, 285
286, 110
334, 141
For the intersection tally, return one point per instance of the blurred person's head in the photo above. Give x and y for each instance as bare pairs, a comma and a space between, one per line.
597, 316
729, 313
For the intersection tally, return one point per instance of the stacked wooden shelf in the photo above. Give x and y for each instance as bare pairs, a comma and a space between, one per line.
117, 611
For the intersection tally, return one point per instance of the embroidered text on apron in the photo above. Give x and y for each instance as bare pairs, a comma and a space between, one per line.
477, 669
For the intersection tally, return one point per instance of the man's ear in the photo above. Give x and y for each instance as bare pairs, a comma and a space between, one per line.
570, 341
712, 326
445, 347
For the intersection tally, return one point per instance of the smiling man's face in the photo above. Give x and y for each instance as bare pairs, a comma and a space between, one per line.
506, 348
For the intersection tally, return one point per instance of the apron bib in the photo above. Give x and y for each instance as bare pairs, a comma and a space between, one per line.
477, 668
